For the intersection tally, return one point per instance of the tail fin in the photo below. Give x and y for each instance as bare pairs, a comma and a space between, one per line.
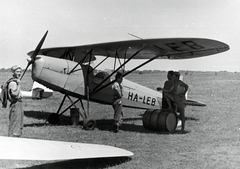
181, 78
192, 102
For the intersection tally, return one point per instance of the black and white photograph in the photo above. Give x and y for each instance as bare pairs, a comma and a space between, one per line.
116, 84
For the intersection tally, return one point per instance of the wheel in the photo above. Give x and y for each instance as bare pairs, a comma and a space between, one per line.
53, 118
89, 124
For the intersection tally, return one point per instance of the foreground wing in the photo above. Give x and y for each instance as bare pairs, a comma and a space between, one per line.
33, 149
170, 48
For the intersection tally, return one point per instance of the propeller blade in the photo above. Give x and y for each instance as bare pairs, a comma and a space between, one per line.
35, 53
25, 70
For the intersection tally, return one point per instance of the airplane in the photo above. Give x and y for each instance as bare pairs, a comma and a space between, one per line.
68, 70
38, 91
37, 149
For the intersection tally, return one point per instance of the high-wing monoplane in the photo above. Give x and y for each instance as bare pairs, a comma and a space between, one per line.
68, 70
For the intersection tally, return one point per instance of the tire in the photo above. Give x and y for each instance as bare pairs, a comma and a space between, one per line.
89, 124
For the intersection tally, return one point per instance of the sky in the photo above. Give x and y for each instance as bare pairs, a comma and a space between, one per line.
81, 22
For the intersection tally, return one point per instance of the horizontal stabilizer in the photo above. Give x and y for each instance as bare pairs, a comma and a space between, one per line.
194, 103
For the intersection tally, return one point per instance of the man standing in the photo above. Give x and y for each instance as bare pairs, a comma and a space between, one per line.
117, 100
180, 89
167, 90
16, 105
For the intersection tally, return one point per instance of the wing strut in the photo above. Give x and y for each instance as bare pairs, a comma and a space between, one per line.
87, 87
88, 93
101, 62
69, 53
125, 74
61, 104
96, 89
82, 60
115, 60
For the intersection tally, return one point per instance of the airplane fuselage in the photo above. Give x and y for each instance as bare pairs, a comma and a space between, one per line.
82, 82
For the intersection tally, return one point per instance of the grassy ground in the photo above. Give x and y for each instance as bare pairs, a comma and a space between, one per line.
211, 141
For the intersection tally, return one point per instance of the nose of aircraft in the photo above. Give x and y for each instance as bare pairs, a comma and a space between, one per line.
37, 68
47, 71
54, 73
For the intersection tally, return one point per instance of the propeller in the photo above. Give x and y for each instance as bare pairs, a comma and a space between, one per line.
32, 59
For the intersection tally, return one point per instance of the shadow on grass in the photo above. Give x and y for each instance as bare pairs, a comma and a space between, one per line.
37, 114
107, 125
102, 124
84, 163
64, 120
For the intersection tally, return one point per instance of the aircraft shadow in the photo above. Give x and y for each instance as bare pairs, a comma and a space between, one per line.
102, 124
37, 114
107, 125
84, 163
66, 120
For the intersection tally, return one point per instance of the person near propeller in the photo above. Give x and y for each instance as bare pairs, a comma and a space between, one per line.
14, 96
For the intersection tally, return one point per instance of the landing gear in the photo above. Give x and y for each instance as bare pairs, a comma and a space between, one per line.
89, 124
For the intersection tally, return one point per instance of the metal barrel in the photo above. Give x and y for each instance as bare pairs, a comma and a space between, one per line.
159, 120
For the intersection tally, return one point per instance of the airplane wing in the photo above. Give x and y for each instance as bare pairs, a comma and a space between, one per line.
34, 149
168, 48
38, 91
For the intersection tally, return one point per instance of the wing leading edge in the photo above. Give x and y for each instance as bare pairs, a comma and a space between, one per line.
169, 48
35, 149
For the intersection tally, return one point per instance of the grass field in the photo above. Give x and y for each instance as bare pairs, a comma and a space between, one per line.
211, 141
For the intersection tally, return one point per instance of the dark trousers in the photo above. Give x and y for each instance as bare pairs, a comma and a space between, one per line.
15, 119
117, 106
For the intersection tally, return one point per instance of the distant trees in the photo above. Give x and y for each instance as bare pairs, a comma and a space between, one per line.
3, 70
9, 70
